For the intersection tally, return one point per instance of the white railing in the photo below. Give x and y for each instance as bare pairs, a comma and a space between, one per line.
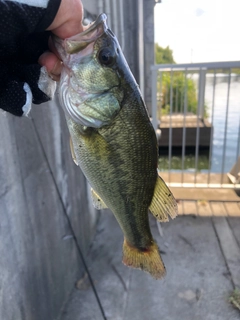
208, 95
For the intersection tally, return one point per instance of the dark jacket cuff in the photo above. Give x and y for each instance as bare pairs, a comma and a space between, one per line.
49, 15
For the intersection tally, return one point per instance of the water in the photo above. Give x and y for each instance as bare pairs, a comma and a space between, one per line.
230, 121
221, 120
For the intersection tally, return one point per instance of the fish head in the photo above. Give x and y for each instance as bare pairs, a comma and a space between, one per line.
91, 90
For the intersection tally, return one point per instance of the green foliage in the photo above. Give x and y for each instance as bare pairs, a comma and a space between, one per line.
236, 70
163, 55
179, 83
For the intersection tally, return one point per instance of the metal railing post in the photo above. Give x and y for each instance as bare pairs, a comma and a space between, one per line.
204, 137
201, 92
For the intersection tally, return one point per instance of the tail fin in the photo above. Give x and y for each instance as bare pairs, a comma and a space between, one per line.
148, 259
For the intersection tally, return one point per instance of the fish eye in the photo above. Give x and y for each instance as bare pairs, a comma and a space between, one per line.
107, 57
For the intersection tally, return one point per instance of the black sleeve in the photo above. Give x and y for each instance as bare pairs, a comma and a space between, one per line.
26, 16
22, 40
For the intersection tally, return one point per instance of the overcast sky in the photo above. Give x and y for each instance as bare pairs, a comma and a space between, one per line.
199, 30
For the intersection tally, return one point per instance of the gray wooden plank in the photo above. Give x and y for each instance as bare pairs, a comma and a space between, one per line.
52, 131
77, 308
39, 264
11, 248
230, 248
206, 194
235, 226
110, 276
197, 284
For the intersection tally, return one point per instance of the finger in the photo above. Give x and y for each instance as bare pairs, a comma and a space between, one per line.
68, 20
52, 64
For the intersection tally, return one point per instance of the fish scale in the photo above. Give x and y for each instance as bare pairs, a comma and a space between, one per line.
113, 140
125, 158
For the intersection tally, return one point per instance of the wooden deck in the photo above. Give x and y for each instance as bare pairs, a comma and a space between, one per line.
201, 254
178, 122
189, 177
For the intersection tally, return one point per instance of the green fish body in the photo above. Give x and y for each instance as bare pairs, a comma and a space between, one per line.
113, 140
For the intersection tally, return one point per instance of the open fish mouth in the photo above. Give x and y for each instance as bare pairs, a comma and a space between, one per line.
91, 34
88, 102
81, 41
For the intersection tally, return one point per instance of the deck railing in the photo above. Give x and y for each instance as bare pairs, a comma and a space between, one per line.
197, 108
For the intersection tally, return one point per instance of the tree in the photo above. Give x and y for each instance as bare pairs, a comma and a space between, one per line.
163, 55
179, 84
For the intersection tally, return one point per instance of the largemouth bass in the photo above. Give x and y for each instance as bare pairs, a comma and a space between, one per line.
113, 141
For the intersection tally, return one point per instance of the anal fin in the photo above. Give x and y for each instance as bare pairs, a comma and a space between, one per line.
163, 202
98, 203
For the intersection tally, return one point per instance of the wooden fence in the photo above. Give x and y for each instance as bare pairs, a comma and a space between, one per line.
43, 206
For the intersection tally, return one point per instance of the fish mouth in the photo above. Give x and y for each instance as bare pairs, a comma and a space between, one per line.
85, 109
93, 32
80, 41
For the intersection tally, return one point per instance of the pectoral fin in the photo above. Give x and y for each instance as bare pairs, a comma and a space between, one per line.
98, 203
73, 152
163, 202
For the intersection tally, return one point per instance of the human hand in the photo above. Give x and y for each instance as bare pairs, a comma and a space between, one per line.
68, 22
25, 59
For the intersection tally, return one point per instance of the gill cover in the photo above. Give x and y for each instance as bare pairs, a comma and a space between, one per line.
88, 85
